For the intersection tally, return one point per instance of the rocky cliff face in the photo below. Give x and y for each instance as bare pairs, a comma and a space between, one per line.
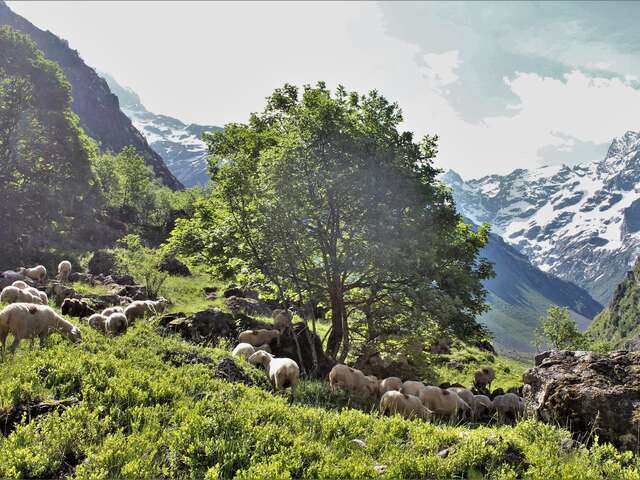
180, 145
579, 223
98, 109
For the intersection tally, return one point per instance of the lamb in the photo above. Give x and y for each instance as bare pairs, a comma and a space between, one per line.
13, 294
98, 322
282, 372
244, 350
443, 402
482, 405
140, 308
37, 273
108, 311
408, 406
25, 320
508, 405
76, 308
64, 269
388, 384
115, 324
258, 337
482, 378
353, 380
282, 320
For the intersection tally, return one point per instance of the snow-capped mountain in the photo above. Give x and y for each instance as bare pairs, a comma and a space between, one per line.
180, 145
580, 223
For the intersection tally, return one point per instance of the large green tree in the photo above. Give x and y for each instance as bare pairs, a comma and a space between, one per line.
326, 200
46, 182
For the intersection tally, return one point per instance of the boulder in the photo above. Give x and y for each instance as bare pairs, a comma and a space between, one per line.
227, 369
82, 278
248, 306
173, 266
119, 279
102, 262
588, 392
135, 292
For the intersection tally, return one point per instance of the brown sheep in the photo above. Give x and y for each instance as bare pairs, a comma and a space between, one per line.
258, 337
408, 406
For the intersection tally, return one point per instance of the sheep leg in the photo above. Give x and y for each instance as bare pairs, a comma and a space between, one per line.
14, 345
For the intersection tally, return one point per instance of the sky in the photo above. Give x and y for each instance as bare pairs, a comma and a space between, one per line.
504, 85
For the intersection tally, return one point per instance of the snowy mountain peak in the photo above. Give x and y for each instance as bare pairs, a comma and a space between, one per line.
581, 223
180, 145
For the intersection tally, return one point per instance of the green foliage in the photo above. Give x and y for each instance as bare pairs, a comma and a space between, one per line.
142, 262
144, 414
47, 197
321, 198
558, 331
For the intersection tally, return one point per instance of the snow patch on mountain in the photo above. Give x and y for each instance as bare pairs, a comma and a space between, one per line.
581, 223
179, 144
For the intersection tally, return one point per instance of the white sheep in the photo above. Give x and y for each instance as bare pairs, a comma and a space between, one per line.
482, 378
508, 404
443, 402
12, 294
412, 387
20, 284
482, 405
258, 337
25, 320
244, 350
390, 383
38, 293
408, 406
140, 308
465, 394
108, 311
37, 273
98, 322
354, 381
282, 320
64, 269
115, 324
282, 372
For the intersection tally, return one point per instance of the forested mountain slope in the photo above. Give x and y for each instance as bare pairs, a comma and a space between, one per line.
98, 109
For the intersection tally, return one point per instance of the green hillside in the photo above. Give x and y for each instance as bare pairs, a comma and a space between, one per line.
619, 323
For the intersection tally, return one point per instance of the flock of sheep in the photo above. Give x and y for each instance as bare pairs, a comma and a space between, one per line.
28, 315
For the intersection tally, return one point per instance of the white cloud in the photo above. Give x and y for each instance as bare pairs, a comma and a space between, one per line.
440, 68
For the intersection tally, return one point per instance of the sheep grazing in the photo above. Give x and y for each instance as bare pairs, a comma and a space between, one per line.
408, 406
20, 284
98, 322
108, 311
443, 402
76, 308
25, 320
508, 405
482, 405
140, 308
282, 320
258, 337
38, 293
482, 378
13, 294
465, 394
354, 381
244, 350
412, 387
115, 324
389, 384
282, 372
64, 269
37, 273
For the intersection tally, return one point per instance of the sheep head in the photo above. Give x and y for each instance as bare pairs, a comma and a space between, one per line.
75, 335
260, 358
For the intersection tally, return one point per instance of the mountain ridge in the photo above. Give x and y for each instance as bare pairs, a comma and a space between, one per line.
580, 223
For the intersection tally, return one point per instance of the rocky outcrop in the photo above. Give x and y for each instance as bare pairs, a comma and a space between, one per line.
98, 108
102, 262
588, 393
210, 326
173, 266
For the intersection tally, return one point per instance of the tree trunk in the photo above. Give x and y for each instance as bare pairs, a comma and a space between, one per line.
337, 321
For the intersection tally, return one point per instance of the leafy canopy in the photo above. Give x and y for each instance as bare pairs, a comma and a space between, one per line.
323, 199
